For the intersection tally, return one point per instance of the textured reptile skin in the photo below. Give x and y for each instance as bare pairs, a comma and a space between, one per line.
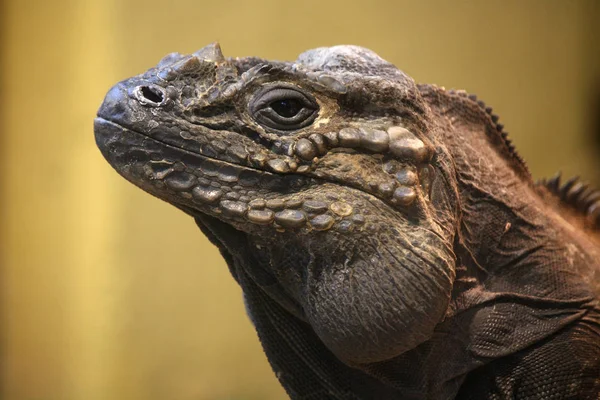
389, 240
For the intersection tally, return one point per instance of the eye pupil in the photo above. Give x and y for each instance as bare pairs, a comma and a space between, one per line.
287, 108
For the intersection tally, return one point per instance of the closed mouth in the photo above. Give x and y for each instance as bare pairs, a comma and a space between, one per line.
104, 122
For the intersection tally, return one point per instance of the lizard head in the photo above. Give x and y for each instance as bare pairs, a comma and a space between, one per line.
326, 172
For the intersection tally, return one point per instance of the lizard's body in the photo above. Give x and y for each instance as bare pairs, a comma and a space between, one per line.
389, 241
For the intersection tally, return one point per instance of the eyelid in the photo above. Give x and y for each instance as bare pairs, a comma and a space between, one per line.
298, 118
260, 107
283, 93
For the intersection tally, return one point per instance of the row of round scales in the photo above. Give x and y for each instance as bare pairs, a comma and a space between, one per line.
396, 140
290, 213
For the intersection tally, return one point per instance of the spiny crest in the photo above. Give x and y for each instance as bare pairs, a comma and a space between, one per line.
578, 195
510, 147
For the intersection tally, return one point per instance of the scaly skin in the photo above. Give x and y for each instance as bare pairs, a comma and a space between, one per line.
389, 241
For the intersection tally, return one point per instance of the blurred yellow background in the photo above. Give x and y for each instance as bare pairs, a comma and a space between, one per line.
108, 293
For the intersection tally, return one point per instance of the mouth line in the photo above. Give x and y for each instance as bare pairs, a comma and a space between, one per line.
194, 153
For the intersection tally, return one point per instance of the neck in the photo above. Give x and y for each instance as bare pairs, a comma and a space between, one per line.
523, 272
507, 232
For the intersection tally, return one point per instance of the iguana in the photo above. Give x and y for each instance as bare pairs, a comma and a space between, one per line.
389, 240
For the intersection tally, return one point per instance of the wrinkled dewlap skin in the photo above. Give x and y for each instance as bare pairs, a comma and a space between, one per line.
386, 249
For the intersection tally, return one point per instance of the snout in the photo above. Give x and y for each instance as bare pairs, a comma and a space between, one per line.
126, 97
114, 107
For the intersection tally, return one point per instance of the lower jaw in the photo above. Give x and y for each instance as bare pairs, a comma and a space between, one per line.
186, 179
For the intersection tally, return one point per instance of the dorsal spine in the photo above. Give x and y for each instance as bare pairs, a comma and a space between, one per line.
577, 195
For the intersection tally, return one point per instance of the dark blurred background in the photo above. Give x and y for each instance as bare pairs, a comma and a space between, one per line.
108, 293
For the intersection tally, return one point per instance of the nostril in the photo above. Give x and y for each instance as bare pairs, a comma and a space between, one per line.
151, 95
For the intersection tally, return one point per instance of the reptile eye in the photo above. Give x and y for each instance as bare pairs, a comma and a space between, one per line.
283, 108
